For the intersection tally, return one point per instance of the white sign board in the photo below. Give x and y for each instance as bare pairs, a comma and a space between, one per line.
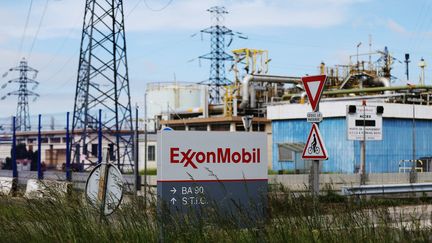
314, 117
364, 122
191, 156
200, 169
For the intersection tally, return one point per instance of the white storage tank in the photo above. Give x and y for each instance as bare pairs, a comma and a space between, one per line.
163, 97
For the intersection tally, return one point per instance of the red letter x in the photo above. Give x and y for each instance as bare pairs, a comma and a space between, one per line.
188, 158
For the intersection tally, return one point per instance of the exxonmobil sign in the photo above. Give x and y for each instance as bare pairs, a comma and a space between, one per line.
228, 155
202, 169
219, 155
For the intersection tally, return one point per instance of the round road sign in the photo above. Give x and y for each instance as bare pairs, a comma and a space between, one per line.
104, 187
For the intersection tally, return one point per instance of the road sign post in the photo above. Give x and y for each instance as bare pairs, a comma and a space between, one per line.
364, 123
314, 148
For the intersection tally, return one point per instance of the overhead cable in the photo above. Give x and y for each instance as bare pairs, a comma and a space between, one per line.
25, 28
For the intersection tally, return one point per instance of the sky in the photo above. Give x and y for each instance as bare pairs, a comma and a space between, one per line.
161, 45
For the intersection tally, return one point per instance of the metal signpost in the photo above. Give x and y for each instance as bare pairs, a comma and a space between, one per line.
199, 171
314, 148
364, 123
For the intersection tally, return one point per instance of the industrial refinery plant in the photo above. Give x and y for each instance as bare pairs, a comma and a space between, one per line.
323, 137
240, 94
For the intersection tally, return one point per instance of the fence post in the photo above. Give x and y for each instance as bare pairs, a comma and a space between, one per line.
100, 138
39, 165
68, 158
14, 162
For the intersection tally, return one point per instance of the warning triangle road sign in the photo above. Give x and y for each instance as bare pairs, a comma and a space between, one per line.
314, 86
314, 148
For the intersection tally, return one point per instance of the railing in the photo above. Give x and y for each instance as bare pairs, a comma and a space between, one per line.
387, 189
403, 168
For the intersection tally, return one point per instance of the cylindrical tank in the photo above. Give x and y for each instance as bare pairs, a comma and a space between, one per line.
163, 97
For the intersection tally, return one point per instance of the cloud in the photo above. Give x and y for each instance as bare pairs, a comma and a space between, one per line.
60, 17
64, 16
63, 21
191, 14
395, 27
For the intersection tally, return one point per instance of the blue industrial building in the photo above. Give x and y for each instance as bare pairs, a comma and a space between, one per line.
289, 127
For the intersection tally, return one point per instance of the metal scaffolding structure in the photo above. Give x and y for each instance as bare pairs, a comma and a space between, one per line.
23, 93
103, 84
217, 55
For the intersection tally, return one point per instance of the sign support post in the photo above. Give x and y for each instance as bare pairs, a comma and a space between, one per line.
315, 170
314, 148
363, 149
364, 123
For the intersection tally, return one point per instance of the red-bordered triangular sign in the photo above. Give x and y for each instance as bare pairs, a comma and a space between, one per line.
314, 86
314, 148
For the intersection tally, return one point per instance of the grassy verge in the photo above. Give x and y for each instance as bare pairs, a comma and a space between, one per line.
150, 171
291, 218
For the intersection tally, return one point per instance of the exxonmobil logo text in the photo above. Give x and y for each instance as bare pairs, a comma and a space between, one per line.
220, 155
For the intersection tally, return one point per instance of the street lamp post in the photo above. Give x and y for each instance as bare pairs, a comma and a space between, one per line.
358, 64
145, 150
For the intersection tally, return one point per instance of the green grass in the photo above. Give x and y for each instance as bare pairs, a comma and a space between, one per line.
291, 218
150, 171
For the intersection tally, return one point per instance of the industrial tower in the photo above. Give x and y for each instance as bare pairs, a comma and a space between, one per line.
23, 93
103, 84
217, 55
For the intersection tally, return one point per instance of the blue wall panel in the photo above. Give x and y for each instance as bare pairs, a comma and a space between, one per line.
333, 131
397, 144
344, 155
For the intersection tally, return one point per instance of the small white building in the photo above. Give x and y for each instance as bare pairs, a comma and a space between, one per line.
53, 148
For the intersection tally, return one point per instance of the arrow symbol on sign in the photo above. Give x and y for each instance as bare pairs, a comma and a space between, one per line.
173, 200
173, 190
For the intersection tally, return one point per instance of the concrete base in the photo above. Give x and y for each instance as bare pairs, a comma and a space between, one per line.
7, 186
46, 188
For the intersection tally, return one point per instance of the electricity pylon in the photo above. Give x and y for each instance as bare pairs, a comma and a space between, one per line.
218, 56
23, 93
103, 84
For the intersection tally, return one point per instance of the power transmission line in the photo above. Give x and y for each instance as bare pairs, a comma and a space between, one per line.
25, 28
157, 10
38, 28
